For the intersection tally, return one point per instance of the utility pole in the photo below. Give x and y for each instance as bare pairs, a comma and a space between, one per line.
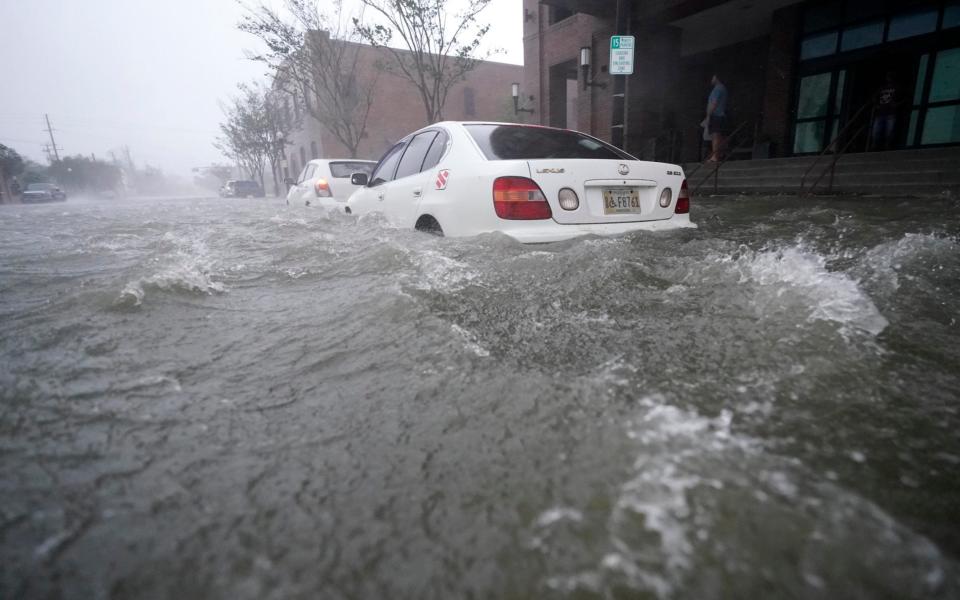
53, 143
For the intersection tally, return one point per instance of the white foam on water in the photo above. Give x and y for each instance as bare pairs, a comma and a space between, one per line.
441, 273
664, 522
470, 341
786, 273
188, 268
884, 263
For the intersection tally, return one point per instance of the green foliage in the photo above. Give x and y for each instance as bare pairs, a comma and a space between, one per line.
255, 130
11, 163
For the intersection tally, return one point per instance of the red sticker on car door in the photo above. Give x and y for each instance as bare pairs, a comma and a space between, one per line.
442, 177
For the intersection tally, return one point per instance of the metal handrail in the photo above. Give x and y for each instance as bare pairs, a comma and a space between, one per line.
716, 169
832, 146
833, 164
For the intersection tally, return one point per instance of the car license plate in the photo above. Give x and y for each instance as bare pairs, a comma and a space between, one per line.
621, 200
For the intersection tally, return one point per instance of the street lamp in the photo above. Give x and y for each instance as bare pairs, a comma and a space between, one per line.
585, 67
515, 92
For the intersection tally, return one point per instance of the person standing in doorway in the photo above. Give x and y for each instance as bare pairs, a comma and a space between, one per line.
885, 115
716, 121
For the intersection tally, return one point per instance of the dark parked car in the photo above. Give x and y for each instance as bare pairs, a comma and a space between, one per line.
241, 189
43, 192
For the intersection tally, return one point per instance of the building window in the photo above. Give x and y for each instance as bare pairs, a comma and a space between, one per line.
815, 46
303, 156
862, 36
817, 116
913, 23
469, 102
941, 124
313, 150
835, 26
951, 14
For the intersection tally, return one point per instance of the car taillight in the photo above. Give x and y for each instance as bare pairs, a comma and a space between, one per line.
322, 188
683, 200
519, 198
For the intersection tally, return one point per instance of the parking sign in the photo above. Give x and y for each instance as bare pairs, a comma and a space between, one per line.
621, 54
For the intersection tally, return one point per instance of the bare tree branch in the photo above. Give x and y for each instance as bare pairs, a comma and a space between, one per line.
316, 59
434, 58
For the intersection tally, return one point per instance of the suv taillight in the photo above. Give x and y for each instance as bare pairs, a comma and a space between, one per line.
683, 200
519, 198
322, 188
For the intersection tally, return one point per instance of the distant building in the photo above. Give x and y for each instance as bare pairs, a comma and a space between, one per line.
398, 109
797, 71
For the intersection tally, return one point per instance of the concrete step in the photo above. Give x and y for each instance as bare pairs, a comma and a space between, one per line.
945, 155
916, 177
894, 189
799, 169
909, 172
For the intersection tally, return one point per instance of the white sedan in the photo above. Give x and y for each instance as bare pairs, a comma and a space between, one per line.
327, 181
535, 184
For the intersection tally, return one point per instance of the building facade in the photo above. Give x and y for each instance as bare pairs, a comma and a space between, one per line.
799, 73
397, 108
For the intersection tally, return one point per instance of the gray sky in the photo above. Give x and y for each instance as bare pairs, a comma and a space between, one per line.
141, 73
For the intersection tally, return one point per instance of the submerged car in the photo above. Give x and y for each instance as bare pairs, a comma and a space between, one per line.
43, 192
241, 188
533, 183
328, 181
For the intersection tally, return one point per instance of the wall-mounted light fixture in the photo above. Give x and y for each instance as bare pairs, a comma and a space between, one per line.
515, 92
585, 67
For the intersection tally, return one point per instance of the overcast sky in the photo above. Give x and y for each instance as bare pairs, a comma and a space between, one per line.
143, 73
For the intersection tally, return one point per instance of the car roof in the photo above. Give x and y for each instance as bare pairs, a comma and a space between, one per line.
318, 161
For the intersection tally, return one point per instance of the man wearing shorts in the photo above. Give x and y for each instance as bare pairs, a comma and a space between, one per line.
716, 121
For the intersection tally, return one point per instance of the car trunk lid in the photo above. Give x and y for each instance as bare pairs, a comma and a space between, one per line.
610, 191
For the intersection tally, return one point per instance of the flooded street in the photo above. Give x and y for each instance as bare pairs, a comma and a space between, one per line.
241, 399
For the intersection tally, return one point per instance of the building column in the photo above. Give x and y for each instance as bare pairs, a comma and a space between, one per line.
651, 108
780, 78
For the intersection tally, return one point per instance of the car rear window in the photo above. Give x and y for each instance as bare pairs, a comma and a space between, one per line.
346, 169
519, 142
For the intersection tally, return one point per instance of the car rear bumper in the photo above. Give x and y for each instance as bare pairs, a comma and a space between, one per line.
539, 232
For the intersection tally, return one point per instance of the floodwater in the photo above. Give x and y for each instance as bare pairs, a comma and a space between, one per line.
239, 399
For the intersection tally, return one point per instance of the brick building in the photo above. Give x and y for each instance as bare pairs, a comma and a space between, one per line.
398, 110
798, 72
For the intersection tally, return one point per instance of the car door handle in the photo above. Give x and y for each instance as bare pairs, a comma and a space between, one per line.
380, 197
417, 192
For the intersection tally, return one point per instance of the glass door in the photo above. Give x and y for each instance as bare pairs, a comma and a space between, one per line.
935, 117
818, 110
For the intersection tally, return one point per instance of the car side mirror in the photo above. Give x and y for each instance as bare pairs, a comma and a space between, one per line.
289, 181
359, 179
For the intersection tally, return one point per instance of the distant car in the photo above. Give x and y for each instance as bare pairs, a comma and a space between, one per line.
241, 188
535, 184
43, 192
327, 181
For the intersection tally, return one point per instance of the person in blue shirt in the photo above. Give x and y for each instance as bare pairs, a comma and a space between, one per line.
716, 121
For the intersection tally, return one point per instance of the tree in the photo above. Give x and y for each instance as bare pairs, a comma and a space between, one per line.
11, 165
278, 124
247, 137
316, 59
440, 51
